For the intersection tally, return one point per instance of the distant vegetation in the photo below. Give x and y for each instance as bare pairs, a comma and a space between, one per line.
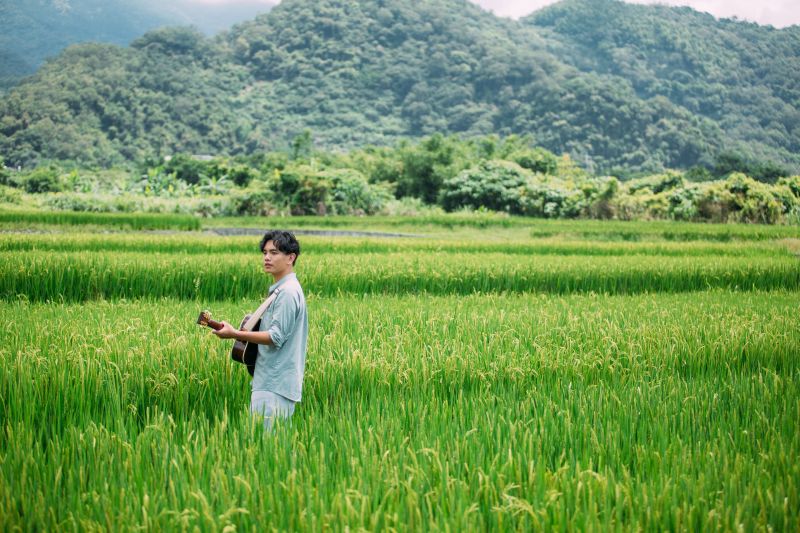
437, 174
36, 30
623, 89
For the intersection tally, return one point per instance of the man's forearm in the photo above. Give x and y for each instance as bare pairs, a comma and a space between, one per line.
258, 337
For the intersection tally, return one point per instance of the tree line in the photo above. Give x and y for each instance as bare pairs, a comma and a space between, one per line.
509, 175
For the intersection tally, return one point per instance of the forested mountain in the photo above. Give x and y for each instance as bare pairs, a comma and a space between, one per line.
34, 30
744, 77
619, 87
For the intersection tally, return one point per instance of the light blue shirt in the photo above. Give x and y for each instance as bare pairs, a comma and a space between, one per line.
280, 367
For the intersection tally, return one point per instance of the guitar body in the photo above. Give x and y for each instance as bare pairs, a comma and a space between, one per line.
246, 352
242, 352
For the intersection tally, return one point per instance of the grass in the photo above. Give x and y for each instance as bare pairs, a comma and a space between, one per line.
201, 244
592, 229
475, 379
441, 225
17, 218
479, 412
78, 276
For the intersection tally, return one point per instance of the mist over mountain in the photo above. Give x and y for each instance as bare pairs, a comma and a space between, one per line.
619, 87
34, 30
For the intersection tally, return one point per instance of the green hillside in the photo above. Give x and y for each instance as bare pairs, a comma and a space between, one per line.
741, 75
375, 72
34, 30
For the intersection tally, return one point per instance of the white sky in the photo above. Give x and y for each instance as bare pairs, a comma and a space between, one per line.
779, 13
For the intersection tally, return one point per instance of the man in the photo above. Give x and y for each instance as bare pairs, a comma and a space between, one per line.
282, 336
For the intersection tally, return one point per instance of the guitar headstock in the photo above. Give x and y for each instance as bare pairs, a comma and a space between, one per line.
204, 317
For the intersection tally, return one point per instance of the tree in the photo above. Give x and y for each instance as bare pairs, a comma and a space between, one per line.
186, 168
302, 145
4, 174
494, 185
44, 179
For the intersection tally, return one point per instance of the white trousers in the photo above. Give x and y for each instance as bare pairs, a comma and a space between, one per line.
269, 406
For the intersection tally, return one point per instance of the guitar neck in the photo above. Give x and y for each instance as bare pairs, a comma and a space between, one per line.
213, 324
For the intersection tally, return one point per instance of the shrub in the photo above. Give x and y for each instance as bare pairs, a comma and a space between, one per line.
742, 199
536, 160
495, 185
214, 207
42, 180
4, 173
409, 207
793, 183
186, 169
657, 183
699, 202
9, 195
78, 202
553, 197
351, 194
256, 200
428, 165
241, 175
599, 196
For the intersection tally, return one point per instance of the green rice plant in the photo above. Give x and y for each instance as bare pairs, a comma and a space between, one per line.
586, 229
201, 244
583, 228
79, 276
664, 229
485, 412
139, 221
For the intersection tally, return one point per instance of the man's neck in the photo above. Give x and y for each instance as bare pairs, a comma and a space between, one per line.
277, 277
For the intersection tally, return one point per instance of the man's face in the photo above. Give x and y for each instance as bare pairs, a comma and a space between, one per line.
276, 262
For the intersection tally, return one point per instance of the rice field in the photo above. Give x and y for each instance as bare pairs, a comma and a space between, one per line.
492, 380
26, 218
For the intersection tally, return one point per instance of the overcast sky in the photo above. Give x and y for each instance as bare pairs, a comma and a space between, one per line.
779, 13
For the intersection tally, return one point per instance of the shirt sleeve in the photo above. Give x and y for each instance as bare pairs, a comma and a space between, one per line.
283, 319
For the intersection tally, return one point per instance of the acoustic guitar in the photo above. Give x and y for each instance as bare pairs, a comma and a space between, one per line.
242, 352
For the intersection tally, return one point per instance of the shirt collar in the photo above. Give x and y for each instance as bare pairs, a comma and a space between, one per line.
281, 281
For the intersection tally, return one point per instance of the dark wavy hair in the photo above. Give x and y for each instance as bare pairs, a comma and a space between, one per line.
284, 241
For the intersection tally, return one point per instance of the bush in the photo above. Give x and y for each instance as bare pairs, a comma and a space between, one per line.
793, 183
213, 207
740, 199
241, 175
78, 202
80, 182
552, 198
303, 191
9, 195
536, 160
428, 165
599, 196
186, 169
41, 180
409, 207
351, 194
668, 181
495, 185
4, 173
687, 203
643, 205
256, 200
